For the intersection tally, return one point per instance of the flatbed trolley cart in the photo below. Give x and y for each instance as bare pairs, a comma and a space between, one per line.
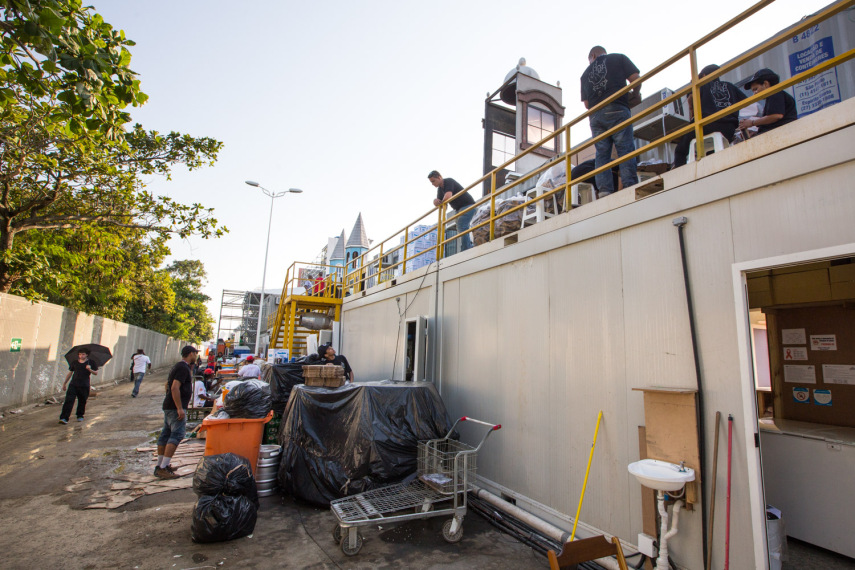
446, 469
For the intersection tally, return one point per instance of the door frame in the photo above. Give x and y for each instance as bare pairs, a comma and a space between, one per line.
746, 369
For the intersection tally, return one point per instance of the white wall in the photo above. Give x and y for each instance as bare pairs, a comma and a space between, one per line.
541, 334
49, 331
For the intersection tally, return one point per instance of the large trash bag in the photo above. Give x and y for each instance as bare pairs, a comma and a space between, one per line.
225, 474
282, 378
356, 438
248, 400
217, 518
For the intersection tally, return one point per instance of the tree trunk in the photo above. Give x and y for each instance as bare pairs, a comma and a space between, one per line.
7, 237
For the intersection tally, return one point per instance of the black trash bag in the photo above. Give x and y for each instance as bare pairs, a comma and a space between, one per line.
225, 474
359, 437
248, 400
282, 378
217, 518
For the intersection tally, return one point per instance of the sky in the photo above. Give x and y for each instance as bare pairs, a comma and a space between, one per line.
355, 102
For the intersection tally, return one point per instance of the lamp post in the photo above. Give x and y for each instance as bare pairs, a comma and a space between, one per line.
273, 196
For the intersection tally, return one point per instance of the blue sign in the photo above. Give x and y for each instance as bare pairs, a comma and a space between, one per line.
820, 91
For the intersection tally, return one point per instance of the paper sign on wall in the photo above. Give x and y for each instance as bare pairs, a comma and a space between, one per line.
793, 336
801, 395
800, 374
838, 373
822, 397
823, 342
795, 353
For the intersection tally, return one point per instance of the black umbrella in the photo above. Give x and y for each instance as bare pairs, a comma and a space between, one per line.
98, 354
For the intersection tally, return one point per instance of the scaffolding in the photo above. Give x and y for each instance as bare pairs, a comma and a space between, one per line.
239, 315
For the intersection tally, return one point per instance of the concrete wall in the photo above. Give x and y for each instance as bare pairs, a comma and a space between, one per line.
48, 331
541, 333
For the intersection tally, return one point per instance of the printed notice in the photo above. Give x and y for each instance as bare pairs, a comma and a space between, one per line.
793, 336
800, 374
795, 353
822, 397
838, 373
823, 342
801, 395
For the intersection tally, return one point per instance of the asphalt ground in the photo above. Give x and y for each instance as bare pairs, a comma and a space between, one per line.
43, 525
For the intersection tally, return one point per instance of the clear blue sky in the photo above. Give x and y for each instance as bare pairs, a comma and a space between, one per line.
355, 102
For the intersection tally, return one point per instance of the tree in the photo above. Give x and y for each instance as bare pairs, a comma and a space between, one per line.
67, 159
191, 313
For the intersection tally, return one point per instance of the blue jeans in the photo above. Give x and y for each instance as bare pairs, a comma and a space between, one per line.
601, 121
173, 428
463, 223
138, 376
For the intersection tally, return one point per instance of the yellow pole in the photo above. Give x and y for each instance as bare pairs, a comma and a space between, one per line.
588, 470
700, 151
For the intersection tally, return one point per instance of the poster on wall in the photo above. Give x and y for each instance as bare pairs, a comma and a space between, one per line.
795, 353
793, 336
823, 342
838, 373
806, 50
822, 397
801, 395
800, 373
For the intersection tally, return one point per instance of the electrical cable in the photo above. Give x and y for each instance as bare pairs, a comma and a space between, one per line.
401, 318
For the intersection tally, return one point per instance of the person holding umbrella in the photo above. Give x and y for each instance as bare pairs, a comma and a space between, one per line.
78, 372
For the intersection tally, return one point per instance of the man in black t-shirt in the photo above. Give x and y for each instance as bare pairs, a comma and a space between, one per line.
328, 356
779, 109
606, 75
715, 96
179, 389
449, 190
78, 373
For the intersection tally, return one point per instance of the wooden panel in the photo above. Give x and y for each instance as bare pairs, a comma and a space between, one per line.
670, 417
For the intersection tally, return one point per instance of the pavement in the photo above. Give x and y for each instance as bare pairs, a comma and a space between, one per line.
44, 525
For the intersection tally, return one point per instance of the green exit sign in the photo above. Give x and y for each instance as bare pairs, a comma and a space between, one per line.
16, 345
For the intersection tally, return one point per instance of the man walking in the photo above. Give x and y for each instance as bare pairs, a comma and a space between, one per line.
179, 389
78, 373
140, 364
449, 190
606, 75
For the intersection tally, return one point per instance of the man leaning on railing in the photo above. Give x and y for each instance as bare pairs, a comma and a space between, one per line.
449, 190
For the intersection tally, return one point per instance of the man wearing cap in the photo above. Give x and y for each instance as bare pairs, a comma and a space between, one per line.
779, 108
715, 96
179, 389
250, 370
608, 73
449, 190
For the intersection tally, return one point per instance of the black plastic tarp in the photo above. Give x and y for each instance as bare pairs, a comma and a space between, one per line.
343, 441
282, 378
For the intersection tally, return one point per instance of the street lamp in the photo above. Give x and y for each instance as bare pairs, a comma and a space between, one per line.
273, 196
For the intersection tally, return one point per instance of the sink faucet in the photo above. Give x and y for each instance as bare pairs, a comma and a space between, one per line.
682, 467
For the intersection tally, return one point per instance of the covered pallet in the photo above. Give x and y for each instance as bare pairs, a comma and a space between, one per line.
342, 442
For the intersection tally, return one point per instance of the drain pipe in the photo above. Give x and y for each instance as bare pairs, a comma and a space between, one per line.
680, 223
540, 525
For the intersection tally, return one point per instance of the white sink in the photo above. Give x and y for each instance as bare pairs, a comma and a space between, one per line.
661, 475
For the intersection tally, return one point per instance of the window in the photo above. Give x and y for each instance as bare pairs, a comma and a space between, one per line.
504, 148
540, 123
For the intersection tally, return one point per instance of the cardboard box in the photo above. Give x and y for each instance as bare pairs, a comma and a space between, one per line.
801, 287
803, 268
841, 273
841, 291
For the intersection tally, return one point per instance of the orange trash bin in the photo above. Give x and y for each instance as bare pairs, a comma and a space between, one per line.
241, 436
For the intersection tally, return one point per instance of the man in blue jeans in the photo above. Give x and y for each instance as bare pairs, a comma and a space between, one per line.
449, 190
606, 75
179, 389
140, 364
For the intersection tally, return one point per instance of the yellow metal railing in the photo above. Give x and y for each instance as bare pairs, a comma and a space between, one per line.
368, 269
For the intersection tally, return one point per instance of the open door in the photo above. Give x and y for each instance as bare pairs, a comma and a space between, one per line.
415, 341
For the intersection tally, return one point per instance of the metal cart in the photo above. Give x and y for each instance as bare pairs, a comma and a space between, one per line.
446, 468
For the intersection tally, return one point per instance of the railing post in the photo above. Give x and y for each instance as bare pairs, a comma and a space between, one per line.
492, 205
440, 233
406, 241
700, 151
568, 199
380, 266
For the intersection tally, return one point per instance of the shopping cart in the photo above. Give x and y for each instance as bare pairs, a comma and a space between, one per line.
446, 468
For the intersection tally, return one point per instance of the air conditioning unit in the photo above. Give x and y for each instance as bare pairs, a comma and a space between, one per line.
666, 120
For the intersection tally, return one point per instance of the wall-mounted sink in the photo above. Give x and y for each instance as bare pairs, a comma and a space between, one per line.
661, 475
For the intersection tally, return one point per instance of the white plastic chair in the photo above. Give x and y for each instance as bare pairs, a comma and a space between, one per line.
539, 214
713, 143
